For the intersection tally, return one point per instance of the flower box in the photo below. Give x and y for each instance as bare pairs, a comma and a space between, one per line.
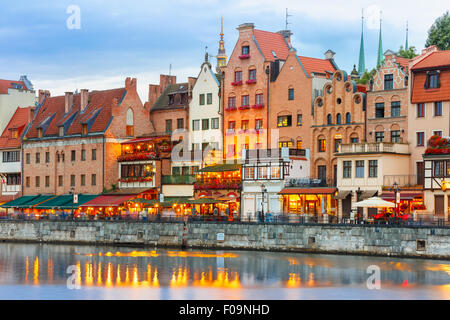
250, 81
230, 132
137, 157
244, 131
244, 107
136, 179
244, 56
231, 109
258, 106
236, 83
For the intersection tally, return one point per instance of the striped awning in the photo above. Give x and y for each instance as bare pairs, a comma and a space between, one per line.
342, 194
108, 200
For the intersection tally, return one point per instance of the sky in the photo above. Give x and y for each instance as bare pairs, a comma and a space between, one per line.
64, 45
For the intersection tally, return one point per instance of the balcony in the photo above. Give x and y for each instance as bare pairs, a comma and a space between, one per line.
179, 179
408, 181
309, 183
208, 184
143, 156
379, 147
254, 154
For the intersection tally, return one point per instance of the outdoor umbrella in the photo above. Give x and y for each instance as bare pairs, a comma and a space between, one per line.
374, 202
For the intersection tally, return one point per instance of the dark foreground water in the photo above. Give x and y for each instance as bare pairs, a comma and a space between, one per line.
33, 271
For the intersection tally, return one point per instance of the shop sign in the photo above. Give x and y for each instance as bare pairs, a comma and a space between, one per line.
221, 236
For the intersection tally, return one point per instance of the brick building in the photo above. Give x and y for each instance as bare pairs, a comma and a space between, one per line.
74, 140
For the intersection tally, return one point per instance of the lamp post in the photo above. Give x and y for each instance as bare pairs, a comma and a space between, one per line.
72, 192
396, 190
263, 191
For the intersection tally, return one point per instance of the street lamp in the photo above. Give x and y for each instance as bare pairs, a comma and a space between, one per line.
396, 190
72, 192
263, 190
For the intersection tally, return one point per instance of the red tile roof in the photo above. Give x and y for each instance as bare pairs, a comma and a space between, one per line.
271, 41
404, 62
434, 60
99, 105
422, 95
19, 121
8, 84
317, 65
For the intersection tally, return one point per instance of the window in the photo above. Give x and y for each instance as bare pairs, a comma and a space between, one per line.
195, 125
373, 168
438, 168
420, 140
258, 124
395, 109
14, 134
437, 133
395, 136
61, 131
168, 125
94, 179
360, 169
249, 173
84, 130
379, 110
244, 125
83, 155
379, 136
130, 123
83, 180
291, 94
275, 173
231, 125
39, 132
215, 123
388, 81
231, 102
347, 172
299, 120
354, 140
287, 144
180, 123
421, 110
299, 144
47, 181
72, 157
205, 124
60, 181
246, 50
252, 74
262, 172
338, 118
245, 100
13, 179
72, 180
238, 76
27, 182
38, 157
38, 182
209, 98
259, 99
176, 171
47, 157
337, 143
348, 118
28, 156
284, 121
11, 156
94, 154
321, 145
438, 109
432, 81
202, 99
329, 119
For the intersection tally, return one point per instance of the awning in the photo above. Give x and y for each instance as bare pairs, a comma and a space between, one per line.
367, 194
108, 200
128, 191
82, 199
342, 194
19, 201
308, 191
221, 168
144, 139
204, 201
404, 195
35, 200
53, 203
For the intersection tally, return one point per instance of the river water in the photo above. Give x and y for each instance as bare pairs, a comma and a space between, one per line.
40, 271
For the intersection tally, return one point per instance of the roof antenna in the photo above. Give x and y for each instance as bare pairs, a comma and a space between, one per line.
287, 16
170, 69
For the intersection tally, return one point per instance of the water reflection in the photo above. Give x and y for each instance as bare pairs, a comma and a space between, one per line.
98, 267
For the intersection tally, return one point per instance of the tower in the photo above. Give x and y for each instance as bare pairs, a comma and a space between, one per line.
361, 64
221, 55
406, 43
380, 48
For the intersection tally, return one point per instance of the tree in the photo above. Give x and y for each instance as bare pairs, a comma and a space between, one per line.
439, 33
366, 77
408, 54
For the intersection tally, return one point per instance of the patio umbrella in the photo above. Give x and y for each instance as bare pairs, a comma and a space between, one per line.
374, 202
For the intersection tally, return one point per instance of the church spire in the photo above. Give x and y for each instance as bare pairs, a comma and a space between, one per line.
362, 64
406, 44
221, 55
380, 48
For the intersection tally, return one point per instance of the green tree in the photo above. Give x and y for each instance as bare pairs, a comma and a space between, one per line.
439, 33
408, 54
366, 77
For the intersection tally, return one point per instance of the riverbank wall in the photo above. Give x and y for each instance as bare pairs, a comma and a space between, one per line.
383, 240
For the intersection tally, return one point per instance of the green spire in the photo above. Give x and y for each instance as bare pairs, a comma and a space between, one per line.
361, 64
380, 48
406, 44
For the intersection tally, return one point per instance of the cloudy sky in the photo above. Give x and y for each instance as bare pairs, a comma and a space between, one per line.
114, 39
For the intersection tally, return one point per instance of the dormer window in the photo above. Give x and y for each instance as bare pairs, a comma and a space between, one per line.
274, 54
84, 130
246, 50
433, 81
39, 132
14, 134
61, 131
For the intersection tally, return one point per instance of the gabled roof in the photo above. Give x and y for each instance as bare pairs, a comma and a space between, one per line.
434, 60
317, 65
18, 122
97, 114
9, 84
404, 62
163, 100
271, 41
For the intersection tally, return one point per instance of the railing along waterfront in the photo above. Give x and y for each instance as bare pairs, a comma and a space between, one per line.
406, 180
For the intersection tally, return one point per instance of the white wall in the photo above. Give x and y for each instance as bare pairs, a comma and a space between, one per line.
10, 102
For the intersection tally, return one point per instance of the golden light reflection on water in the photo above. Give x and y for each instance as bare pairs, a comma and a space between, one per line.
182, 254
36, 271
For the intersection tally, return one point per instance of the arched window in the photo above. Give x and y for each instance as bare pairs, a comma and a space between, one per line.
338, 118
130, 122
348, 118
329, 119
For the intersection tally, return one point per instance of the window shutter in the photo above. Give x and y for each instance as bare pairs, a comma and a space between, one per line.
427, 82
438, 80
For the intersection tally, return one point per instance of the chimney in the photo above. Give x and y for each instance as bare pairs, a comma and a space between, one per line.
191, 82
84, 98
165, 80
41, 96
131, 84
246, 28
287, 36
68, 101
153, 93
329, 55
